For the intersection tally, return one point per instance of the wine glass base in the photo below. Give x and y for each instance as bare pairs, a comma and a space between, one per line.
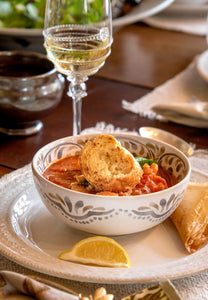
22, 129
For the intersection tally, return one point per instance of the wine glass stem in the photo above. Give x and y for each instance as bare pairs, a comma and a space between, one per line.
77, 90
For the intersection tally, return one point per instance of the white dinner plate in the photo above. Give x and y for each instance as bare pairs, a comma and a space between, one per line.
32, 237
143, 10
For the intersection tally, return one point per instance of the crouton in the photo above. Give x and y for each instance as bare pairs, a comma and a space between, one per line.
109, 166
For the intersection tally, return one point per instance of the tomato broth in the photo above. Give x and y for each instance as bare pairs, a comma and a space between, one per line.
67, 173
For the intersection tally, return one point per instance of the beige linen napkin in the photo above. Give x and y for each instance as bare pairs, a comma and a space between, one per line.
182, 99
193, 112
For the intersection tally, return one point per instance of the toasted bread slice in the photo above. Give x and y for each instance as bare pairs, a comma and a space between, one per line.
108, 166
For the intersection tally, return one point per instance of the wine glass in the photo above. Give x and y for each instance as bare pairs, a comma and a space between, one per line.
78, 38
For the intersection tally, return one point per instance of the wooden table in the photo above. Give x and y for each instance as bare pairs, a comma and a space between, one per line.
142, 58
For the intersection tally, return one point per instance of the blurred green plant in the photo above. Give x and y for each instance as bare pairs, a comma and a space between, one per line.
22, 13
30, 13
81, 12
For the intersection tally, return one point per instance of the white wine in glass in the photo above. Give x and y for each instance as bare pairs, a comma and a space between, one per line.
78, 38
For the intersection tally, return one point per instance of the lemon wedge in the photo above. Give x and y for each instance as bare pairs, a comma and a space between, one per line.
98, 251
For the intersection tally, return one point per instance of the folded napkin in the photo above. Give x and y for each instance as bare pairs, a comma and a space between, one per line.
195, 112
182, 99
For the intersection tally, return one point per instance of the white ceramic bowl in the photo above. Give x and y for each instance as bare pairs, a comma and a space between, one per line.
107, 215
